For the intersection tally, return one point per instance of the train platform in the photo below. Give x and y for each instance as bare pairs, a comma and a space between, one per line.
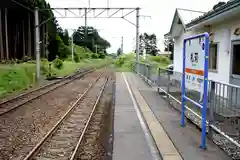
147, 127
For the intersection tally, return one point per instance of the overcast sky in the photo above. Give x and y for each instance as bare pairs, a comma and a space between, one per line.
161, 12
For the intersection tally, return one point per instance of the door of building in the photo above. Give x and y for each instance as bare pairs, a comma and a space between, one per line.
234, 92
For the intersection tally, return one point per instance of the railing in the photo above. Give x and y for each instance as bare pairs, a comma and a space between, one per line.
223, 111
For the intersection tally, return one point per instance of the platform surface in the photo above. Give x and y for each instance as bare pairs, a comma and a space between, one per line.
137, 133
129, 139
186, 140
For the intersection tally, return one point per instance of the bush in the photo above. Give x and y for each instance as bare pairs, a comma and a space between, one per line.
45, 67
87, 55
87, 50
94, 56
64, 51
76, 58
155, 58
160, 59
119, 61
26, 59
102, 55
58, 63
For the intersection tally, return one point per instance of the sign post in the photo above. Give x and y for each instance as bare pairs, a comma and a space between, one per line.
195, 75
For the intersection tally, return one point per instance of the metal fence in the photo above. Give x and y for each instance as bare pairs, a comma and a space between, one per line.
223, 111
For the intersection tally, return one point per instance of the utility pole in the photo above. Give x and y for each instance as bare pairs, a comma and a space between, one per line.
37, 42
122, 45
72, 48
96, 50
108, 7
137, 39
85, 33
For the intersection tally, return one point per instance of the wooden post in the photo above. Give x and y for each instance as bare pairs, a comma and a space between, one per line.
23, 38
6, 33
1, 36
29, 37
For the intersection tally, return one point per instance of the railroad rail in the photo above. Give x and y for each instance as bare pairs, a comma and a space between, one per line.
15, 102
63, 140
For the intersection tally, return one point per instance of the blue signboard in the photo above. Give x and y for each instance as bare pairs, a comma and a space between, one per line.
195, 75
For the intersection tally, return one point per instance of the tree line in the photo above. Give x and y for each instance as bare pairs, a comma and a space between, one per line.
17, 32
90, 38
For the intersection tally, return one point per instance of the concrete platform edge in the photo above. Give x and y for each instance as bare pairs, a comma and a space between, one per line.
163, 142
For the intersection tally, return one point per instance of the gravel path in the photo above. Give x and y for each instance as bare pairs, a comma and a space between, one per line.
23, 128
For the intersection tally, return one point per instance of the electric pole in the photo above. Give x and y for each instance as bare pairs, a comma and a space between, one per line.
85, 32
37, 42
122, 45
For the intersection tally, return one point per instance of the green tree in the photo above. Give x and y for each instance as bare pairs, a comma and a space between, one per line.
66, 37
169, 46
89, 37
149, 43
119, 52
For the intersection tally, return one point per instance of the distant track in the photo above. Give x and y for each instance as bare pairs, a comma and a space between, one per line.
63, 140
15, 102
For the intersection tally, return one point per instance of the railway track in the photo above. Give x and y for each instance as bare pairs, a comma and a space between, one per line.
13, 103
95, 142
63, 140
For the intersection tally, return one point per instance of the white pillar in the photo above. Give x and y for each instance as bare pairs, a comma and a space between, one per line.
37, 42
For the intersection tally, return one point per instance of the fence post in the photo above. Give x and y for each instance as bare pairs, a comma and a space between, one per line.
158, 80
149, 73
168, 83
212, 104
146, 74
139, 67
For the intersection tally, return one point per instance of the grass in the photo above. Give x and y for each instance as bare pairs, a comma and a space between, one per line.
17, 77
124, 63
71, 67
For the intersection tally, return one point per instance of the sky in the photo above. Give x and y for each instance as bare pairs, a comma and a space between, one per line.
161, 12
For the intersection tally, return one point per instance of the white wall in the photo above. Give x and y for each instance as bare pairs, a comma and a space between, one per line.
178, 50
223, 35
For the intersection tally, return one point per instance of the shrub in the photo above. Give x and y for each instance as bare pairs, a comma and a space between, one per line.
87, 50
45, 67
94, 56
11, 61
119, 61
26, 58
102, 55
76, 58
87, 55
64, 51
155, 58
58, 63
160, 59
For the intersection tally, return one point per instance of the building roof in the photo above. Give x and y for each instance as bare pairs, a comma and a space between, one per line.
190, 18
185, 15
226, 7
188, 15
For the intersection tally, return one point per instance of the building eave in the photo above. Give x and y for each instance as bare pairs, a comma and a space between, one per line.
213, 13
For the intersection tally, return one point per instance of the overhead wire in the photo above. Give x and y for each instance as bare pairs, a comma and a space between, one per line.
23, 6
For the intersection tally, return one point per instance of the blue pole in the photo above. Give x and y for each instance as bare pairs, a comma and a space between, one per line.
183, 84
205, 93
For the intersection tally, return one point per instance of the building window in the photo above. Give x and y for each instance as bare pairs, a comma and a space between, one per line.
213, 56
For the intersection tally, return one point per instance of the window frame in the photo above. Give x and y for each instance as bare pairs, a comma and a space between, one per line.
217, 56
